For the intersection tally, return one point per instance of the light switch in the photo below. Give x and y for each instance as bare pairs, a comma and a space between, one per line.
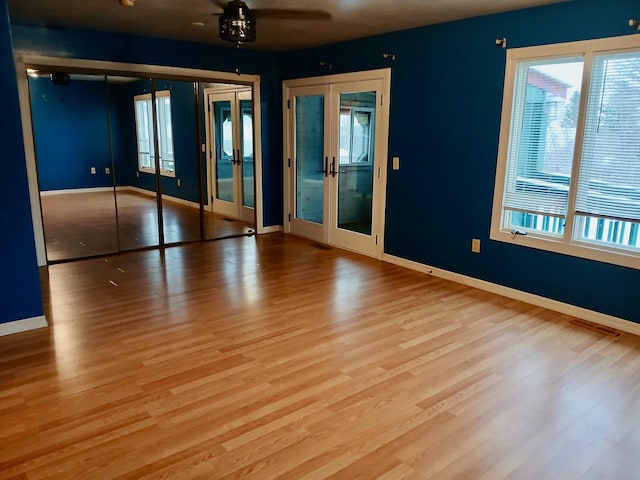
93, 170
396, 163
107, 170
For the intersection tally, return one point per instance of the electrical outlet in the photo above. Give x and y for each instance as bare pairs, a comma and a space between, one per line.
107, 170
396, 163
93, 170
178, 182
475, 245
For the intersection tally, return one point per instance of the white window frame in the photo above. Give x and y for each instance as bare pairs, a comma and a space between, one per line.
565, 243
162, 139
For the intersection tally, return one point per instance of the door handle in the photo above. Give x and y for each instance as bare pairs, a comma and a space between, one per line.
326, 167
238, 157
333, 171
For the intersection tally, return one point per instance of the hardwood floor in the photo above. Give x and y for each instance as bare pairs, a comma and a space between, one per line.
79, 225
264, 357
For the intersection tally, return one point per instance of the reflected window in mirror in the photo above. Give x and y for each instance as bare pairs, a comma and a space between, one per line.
144, 129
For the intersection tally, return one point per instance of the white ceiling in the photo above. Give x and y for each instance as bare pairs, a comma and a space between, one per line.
174, 18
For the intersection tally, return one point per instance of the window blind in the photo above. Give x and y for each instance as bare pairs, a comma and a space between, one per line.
542, 136
609, 180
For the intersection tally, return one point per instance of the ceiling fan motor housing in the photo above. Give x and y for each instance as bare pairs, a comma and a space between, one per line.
237, 23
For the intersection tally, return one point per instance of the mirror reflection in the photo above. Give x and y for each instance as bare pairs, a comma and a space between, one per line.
131, 144
127, 163
230, 160
70, 121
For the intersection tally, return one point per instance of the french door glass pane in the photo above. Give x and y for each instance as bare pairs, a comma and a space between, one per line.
355, 181
246, 119
223, 135
309, 141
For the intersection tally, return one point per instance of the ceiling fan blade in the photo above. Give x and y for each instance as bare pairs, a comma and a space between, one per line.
283, 14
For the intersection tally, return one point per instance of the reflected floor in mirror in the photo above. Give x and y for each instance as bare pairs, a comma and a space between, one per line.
83, 224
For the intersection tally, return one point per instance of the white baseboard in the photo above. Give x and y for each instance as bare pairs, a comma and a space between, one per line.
23, 325
123, 189
66, 191
151, 193
561, 307
269, 229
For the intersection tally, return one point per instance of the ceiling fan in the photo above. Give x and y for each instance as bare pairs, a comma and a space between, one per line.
238, 22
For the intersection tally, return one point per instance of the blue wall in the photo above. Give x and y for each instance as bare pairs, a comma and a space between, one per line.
70, 126
20, 296
446, 98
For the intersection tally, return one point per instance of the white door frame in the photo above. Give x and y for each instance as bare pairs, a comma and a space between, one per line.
383, 128
105, 67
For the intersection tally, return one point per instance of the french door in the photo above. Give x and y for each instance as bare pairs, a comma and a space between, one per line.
230, 145
336, 146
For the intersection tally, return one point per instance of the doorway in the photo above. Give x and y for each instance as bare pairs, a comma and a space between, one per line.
336, 144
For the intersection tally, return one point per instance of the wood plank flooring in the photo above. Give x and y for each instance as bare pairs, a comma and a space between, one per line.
83, 224
264, 357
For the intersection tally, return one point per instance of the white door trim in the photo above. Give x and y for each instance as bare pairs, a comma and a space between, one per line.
328, 80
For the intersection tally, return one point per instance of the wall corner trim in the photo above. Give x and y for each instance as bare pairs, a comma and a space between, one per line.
23, 325
537, 300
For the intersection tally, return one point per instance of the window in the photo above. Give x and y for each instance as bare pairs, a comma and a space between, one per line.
568, 176
355, 134
144, 129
